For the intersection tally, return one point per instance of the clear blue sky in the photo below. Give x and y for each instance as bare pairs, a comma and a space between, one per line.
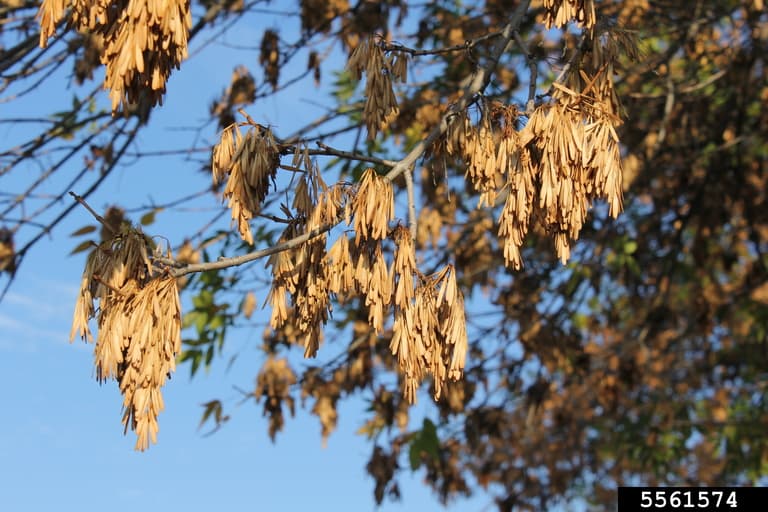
61, 441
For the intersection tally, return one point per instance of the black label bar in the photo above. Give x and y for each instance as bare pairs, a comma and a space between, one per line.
693, 499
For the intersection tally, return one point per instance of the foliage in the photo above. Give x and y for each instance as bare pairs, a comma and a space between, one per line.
454, 216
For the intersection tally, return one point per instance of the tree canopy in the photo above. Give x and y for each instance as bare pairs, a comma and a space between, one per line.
547, 218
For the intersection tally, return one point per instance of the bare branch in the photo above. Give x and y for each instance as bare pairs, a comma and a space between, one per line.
533, 68
468, 45
245, 258
94, 186
329, 151
563, 72
96, 216
412, 219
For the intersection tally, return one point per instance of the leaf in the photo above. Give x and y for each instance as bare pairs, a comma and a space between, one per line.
424, 443
201, 321
194, 356
216, 322
189, 319
203, 300
196, 362
214, 406
372, 427
84, 230
149, 217
83, 246
414, 456
430, 439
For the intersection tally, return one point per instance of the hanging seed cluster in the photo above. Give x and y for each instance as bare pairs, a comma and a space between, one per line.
248, 164
317, 15
269, 57
305, 273
139, 327
143, 41
273, 384
551, 170
568, 155
429, 333
373, 208
241, 91
380, 71
476, 146
429, 329
559, 12
7, 252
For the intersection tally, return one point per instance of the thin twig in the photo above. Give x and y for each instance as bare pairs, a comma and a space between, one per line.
291, 168
170, 204
96, 216
236, 261
274, 218
95, 185
411, 203
574, 57
296, 137
533, 68
329, 151
669, 105
468, 45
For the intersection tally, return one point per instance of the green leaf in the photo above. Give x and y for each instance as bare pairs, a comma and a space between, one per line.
188, 320
210, 408
83, 246
201, 321
196, 362
149, 217
430, 439
194, 356
216, 322
220, 338
414, 456
186, 355
203, 300
84, 230
425, 442
194, 342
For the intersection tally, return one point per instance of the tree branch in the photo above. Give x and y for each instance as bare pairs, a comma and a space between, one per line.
477, 84
96, 216
533, 69
329, 151
412, 219
236, 261
563, 72
468, 45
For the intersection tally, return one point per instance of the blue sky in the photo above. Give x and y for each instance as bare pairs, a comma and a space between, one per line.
61, 441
